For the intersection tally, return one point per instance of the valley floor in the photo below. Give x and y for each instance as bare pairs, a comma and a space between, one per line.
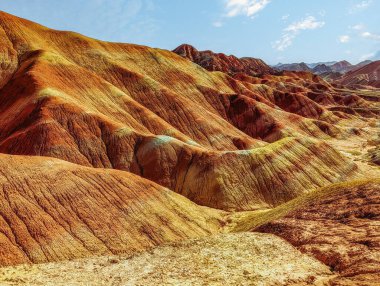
229, 259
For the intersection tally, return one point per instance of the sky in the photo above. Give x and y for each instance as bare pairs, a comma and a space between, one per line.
276, 31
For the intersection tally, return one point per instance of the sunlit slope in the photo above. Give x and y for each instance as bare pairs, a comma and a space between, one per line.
53, 210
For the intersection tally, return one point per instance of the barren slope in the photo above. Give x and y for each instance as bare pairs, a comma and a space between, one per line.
53, 210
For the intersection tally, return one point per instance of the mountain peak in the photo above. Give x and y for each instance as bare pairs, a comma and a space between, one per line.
224, 63
186, 51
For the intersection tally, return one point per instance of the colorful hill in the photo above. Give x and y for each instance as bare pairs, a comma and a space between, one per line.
112, 149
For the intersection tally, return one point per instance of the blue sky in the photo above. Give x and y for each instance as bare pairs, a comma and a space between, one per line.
274, 30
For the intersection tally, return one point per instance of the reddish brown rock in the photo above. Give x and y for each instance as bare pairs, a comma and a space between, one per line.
221, 62
341, 228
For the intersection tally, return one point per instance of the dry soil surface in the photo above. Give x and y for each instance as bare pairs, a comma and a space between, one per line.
229, 259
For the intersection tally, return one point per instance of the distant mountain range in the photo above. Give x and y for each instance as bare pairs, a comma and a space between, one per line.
368, 75
293, 67
321, 68
313, 65
339, 72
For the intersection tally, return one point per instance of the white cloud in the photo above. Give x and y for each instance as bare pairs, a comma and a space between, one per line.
358, 27
285, 41
245, 7
371, 36
363, 4
309, 23
217, 24
360, 6
344, 39
285, 17
292, 31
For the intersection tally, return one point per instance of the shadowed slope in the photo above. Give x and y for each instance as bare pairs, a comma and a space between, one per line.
53, 210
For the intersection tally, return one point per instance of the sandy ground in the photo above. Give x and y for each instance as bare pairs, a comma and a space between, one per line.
228, 259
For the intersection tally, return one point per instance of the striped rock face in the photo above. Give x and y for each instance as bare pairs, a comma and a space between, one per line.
53, 210
114, 148
367, 75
